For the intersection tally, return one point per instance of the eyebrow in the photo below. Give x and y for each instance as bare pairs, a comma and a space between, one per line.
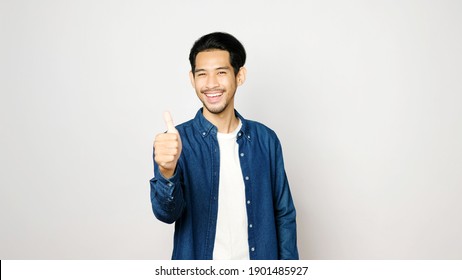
218, 68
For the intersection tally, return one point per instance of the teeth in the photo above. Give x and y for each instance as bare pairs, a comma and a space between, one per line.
213, 95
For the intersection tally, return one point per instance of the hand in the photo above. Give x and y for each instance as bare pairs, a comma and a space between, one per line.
167, 148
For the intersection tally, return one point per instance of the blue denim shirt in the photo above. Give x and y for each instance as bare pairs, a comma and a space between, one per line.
190, 197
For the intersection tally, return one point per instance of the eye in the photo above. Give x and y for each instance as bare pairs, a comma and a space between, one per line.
222, 73
201, 74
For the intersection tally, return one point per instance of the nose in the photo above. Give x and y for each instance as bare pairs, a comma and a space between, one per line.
212, 81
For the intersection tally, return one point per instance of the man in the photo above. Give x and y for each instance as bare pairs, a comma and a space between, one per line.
220, 177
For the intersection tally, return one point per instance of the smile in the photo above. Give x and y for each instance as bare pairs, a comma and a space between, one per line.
213, 97
214, 94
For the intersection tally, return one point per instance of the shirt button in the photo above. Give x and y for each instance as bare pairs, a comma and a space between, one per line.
247, 178
203, 133
250, 226
239, 134
242, 154
248, 137
252, 249
170, 184
248, 201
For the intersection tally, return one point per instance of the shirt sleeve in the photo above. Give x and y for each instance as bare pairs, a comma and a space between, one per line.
284, 211
167, 195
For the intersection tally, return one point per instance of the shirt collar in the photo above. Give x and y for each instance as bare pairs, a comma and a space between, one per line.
205, 127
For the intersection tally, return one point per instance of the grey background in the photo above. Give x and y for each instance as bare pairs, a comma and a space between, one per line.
365, 96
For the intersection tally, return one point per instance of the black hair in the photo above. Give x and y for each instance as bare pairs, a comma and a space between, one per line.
219, 41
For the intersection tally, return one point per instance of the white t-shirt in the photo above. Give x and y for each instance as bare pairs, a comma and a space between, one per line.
231, 240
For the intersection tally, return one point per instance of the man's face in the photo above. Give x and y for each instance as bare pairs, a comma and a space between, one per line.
215, 82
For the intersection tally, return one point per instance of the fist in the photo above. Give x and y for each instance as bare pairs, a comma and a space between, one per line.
167, 148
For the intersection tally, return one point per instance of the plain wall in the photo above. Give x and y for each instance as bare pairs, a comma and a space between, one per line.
366, 97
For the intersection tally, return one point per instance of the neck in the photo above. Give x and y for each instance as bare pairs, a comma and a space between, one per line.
226, 122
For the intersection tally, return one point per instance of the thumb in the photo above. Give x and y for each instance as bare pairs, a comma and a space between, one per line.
169, 122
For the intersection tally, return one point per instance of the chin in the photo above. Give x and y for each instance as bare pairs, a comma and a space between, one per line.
215, 110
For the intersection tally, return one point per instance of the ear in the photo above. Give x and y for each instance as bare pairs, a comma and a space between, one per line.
191, 78
240, 77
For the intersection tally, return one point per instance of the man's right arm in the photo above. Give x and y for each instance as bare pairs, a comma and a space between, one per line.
166, 191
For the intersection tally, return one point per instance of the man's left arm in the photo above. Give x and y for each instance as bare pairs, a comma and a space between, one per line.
284, 211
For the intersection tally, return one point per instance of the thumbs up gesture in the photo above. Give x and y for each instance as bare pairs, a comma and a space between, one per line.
167, 148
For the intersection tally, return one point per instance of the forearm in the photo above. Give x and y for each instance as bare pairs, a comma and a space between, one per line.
287, 234
166, 197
